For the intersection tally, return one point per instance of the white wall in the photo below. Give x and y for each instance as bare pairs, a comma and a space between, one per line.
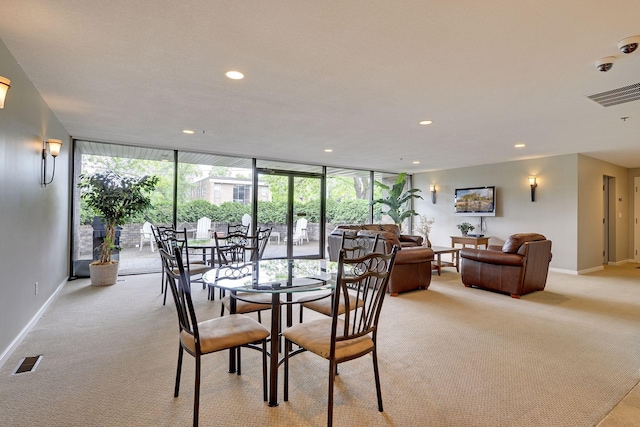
554, 213
34, 220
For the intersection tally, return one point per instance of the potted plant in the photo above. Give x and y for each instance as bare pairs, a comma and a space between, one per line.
116, 199
397, 199
465, 227
425, 228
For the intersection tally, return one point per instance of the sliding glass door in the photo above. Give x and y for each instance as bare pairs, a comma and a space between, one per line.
293, 210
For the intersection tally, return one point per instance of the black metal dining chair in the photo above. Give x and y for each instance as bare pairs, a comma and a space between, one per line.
354, 246
204, 337
353, 334
242, 302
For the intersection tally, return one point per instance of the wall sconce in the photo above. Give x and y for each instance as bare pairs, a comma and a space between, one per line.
533, 184
5, 84
432, 188
54, 146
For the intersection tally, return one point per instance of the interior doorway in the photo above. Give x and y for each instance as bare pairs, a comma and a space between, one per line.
608, 219
636, 223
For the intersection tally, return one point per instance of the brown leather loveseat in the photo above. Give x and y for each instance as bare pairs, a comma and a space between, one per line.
412, 268
518, 267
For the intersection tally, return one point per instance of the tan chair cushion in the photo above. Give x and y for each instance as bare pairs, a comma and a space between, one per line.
225, 332
249, 303
325, 305
315, 336
194, 269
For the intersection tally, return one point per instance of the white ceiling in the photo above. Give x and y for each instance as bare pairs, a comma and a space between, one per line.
356, 76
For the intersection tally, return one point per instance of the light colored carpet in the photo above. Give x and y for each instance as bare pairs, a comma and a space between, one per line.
449, 356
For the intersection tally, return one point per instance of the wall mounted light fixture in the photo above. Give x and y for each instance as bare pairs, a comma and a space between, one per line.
432, 188
53, 147
5, 84
533, 184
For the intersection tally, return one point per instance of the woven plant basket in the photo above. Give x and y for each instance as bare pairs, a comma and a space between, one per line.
103, 275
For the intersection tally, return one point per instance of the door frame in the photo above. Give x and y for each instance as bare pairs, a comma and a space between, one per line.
290, 223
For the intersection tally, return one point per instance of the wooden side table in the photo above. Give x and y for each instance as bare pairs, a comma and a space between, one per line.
455, 258
466, 240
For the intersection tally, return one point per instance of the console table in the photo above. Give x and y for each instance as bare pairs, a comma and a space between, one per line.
466, 240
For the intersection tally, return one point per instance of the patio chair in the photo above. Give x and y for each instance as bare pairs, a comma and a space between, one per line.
203, 228
246, 221
146, 235
300, 232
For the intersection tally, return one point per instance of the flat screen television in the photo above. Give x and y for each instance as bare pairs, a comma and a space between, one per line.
475, 201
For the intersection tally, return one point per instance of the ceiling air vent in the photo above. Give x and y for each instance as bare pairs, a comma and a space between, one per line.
617, 96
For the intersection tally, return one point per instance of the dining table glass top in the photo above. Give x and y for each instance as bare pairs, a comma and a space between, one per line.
275, 276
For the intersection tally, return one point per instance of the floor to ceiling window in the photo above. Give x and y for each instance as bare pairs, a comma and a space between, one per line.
205, 193
134, 253
379, 209
212, 193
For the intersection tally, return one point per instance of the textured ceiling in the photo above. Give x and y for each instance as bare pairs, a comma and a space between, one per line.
354, 76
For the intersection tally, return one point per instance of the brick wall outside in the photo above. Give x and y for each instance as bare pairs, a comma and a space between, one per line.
130, 234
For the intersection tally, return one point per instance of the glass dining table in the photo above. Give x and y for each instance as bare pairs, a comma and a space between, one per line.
277, 277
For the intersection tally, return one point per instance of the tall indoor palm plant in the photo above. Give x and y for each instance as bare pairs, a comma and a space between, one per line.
398, 200
116, 199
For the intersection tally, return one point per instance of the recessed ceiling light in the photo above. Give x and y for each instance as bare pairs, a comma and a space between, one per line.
416, 162
426, 122
520, 145
234, 75
328, 150
188, 132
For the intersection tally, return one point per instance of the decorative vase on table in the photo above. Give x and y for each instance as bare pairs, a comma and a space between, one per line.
427, 242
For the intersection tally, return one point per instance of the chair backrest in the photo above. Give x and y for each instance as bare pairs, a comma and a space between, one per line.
357, 246
301, 226
261, 243
237, 228
231, 248
203, 228
235, 271
162, 235
365, 279
181, 289
181, 240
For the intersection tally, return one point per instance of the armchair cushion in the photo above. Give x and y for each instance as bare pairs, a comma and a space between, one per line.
492, 257
388, 237
515, 241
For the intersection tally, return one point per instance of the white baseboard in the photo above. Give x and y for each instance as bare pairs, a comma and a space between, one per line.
563, 271
624, 261
34, 320
591, 270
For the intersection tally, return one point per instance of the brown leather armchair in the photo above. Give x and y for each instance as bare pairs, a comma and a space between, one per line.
412, 267
519, 267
